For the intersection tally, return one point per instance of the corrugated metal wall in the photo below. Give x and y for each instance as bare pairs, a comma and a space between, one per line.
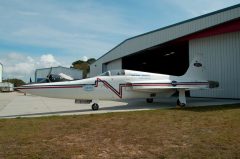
96, 68
154, 38
222, 63
115, 65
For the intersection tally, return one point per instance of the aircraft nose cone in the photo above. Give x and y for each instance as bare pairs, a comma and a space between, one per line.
20, 88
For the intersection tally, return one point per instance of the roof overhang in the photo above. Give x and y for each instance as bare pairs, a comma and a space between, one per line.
185, 29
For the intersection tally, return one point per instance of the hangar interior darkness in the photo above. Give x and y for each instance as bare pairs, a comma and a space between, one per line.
173, 57
169, 58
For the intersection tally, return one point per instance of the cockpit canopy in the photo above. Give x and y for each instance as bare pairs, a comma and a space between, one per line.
114, 73
127, 73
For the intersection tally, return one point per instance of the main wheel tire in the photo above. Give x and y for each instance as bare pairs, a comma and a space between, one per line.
180, 104
95, 106
149, 100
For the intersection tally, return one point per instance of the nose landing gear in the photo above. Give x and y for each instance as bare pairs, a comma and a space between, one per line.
95, 106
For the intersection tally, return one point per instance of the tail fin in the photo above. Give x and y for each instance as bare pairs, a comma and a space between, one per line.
196, 69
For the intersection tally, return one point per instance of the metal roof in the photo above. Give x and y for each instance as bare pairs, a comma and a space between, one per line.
129, 40
57, 67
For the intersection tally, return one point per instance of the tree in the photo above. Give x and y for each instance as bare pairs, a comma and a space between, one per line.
16, 82
83, 65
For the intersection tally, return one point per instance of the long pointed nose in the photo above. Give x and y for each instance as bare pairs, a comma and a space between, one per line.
22, 88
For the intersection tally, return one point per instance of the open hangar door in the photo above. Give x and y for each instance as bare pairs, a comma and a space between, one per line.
170, 58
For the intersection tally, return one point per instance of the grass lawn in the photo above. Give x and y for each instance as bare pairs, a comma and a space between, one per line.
200, 132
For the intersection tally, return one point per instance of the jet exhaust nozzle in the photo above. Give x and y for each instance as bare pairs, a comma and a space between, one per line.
213, 84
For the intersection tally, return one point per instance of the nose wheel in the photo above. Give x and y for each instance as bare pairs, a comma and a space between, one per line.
95, 106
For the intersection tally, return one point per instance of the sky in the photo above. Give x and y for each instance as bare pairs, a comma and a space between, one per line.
47, 33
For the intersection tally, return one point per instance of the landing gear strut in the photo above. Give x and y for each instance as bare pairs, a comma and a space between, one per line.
149, 100
181, 102
95, 106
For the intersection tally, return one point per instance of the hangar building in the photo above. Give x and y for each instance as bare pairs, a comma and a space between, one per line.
4, 86
1, 72
168, 50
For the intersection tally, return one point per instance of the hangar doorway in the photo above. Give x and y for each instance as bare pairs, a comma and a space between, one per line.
171, 58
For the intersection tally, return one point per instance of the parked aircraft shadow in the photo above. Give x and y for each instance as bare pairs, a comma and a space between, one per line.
136, 105
133, 105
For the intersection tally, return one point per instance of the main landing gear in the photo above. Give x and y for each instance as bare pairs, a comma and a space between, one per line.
149, 100
181, 102
181, 105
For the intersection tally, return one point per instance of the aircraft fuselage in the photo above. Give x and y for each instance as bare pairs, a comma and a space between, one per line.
115, 87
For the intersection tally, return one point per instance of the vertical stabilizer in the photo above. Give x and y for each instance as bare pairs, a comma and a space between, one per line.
196, 69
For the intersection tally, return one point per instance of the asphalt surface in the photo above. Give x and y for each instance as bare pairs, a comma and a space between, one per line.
15, 104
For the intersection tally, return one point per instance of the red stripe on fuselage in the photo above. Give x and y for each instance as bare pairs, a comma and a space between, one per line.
107, 85
168, 84
46, 87
118, 92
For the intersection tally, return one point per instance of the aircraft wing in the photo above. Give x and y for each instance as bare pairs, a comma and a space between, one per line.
152, 86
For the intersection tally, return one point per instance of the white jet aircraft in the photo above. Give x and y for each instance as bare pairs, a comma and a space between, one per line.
125, 84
